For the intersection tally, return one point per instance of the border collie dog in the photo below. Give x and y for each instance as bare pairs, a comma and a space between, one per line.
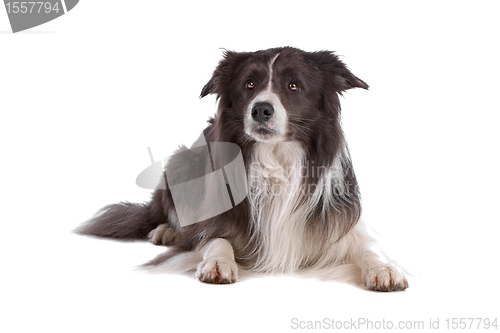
301, 209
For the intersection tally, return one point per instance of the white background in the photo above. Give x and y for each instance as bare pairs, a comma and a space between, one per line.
82, 97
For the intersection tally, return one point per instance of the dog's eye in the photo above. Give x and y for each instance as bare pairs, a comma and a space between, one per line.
293, 87
250, 85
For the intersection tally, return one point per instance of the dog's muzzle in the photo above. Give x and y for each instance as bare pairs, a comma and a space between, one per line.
266, 118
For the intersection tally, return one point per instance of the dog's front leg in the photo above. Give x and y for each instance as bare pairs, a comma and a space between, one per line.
377, 272
218, 265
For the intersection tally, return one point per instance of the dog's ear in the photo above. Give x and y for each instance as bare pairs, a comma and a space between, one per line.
338, 75
223, 74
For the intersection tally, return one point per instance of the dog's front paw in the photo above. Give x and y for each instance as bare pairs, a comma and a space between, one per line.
162, 235
384, 277
217, 271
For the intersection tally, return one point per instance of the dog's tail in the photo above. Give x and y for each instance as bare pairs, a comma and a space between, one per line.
125, 221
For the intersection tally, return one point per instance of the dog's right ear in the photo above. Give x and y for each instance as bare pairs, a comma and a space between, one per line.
209, 88
223, 74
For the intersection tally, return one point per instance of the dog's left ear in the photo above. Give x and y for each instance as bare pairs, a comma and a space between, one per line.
338, 75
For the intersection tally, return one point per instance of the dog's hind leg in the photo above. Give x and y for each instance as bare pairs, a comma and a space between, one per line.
162, 235
218, 265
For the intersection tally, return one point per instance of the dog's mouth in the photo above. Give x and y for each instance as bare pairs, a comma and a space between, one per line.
264, 133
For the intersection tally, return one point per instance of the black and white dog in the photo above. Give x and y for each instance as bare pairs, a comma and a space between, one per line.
302, 205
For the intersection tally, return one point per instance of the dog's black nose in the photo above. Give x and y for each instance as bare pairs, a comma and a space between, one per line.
262, 112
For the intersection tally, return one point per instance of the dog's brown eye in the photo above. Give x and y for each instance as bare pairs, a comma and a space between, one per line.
250, 85
293, 87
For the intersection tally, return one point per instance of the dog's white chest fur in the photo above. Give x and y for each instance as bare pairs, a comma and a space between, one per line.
278, 211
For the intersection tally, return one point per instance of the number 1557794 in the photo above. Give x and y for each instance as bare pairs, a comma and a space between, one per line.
30, 7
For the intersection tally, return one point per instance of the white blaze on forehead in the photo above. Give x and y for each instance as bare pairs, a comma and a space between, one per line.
271, 64
279, 119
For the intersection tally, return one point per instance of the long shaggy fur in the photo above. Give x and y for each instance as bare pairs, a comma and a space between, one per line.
302, 210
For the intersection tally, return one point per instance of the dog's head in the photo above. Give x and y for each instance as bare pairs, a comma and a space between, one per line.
279, 94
